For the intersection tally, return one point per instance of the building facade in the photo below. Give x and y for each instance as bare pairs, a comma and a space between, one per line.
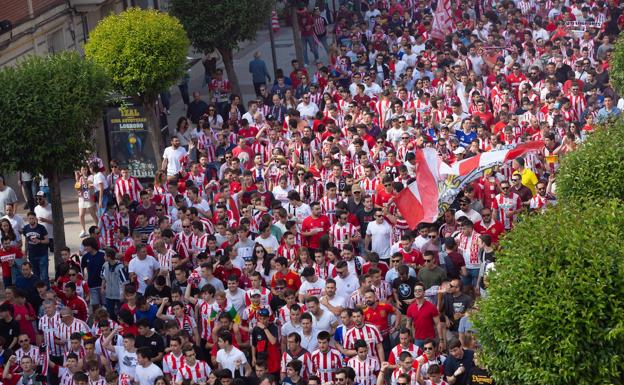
40, 27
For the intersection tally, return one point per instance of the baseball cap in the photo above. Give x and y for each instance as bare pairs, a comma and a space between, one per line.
40, 194
356, 187
264, 312
459, 150
254, 292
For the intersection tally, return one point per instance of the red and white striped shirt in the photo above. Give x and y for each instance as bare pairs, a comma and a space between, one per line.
195, 373
205, 321
47, 325
505, 206
66, 377
132, 187
306, 359
365, 371
32, 352
108, 226
396, 351
341, 233
398, 371
164, 259
289, 253
64, 332
328, 207
187, 240
326, 364
172, 364
99, 381
369, 333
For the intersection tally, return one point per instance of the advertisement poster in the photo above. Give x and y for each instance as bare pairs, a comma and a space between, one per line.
129, 140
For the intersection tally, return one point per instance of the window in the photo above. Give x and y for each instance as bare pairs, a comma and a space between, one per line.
56, 41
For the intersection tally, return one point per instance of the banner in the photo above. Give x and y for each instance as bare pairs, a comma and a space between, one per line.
467, 171
129, 140
442, 20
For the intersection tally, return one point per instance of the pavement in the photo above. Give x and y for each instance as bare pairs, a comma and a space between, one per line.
285, 52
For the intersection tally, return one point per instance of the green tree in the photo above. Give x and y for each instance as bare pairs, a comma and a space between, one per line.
144, 53
48, 109
222, 25
616, 70
553, 311
595, 169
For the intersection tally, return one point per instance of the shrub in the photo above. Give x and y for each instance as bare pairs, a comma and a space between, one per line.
595, 169
553, 314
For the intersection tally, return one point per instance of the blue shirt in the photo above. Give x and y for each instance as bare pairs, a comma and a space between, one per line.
38, 232
149, 315
258, 70
93, 263
465, 139
603, 114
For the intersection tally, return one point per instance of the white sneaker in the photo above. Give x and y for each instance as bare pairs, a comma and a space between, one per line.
83, 234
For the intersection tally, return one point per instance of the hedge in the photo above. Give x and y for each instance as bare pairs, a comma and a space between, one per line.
555, 304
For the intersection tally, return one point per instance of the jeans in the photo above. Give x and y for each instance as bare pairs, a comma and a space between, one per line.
112, 305
323, 40
95, 294
40, 267
184, 92
309, 40
471, 278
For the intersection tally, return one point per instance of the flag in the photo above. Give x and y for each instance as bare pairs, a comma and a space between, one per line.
228, 308
461, 173
490, 158
419, 201
442, 20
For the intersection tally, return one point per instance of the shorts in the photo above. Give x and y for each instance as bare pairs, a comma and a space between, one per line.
85, 203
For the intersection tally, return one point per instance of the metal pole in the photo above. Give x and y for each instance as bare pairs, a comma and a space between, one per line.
272, 38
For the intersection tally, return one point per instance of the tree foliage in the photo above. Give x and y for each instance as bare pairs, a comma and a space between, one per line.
595, 169
48, 106
616, 71
554, 305
223, 23
143, 51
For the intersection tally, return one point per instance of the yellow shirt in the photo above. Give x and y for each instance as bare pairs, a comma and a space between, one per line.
529, 179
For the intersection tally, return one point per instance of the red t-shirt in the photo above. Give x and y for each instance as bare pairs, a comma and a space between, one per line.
413, 256
292, 279
309, 223
6, 256
494, 230
378, 316
382, 197
422, 316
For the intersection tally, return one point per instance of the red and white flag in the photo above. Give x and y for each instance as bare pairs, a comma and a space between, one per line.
490, 158
419, 201
442, 20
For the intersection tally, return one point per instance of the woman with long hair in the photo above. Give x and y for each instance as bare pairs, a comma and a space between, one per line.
160, 183
212, 117
86, 198
303, 260
183, 132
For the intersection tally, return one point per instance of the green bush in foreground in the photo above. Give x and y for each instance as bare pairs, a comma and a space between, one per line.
553, 315
595, 169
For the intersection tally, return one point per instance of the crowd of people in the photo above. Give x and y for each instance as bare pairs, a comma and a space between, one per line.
269, 248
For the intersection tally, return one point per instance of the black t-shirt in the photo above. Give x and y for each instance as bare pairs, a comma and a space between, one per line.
154, 342
38, 232
453, 305
276, 303
479, 376
405, 290
9, 330
152, 291
452, 364
365, 217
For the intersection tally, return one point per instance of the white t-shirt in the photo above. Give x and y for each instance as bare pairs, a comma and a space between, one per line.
281, 194
337, 301
100, 178
127, 361
228, 360
147, 376
346, 286
144, 269
381, 238
308, 111
236, 299
45, 212
174, 159
310, 289
270, 244
325, 321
